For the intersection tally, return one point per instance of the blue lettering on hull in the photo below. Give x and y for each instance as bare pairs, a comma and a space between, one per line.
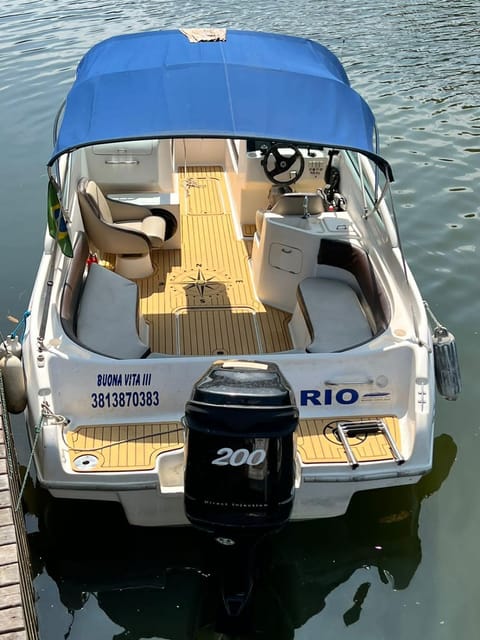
133, 379
317, 397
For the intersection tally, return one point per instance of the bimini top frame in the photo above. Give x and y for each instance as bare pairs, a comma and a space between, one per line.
250, 85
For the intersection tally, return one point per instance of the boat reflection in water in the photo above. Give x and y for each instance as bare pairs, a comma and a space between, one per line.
163, 583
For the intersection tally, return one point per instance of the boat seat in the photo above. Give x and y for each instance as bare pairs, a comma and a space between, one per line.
130, 237
292, 204
73, 285
333, 315
107, 315
337, 254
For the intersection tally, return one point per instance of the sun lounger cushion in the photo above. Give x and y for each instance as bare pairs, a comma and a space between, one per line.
333, 314
107, 315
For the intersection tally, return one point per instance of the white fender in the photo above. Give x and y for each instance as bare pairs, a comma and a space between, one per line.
14, 383
12, 345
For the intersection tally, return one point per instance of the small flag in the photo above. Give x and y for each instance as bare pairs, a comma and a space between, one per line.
57, 226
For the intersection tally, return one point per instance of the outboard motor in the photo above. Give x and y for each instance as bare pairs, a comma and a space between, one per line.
240, 463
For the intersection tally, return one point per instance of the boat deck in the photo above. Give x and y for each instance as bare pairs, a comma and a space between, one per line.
135, 447
200, 299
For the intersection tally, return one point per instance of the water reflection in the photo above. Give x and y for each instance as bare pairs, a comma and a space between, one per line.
379, 531
162, 583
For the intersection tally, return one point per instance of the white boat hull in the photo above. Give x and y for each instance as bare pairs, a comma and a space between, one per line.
182, 255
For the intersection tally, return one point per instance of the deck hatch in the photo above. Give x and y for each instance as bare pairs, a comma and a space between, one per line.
217, 331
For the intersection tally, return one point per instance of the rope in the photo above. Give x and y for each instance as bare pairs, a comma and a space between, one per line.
21, 323
47, 413
432, 316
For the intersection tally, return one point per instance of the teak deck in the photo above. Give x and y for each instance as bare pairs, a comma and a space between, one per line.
200, 301
135, 447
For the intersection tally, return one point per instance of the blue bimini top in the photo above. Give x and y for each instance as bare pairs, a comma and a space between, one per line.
258, 85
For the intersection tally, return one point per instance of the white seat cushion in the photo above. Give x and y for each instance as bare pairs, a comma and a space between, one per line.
333, 314
107, 315
152, 226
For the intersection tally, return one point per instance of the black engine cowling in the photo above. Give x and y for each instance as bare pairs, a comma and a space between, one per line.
240, 465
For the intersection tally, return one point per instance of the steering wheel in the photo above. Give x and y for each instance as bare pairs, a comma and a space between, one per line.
283, 162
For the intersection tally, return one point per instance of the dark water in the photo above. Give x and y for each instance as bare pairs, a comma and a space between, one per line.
402, 564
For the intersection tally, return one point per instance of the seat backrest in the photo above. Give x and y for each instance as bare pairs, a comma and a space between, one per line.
356, 261
98, 223
96, 194
73, 285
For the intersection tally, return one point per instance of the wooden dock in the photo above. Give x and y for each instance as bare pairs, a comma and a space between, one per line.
18, 619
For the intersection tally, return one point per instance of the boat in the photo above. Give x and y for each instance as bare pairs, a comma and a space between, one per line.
223, 330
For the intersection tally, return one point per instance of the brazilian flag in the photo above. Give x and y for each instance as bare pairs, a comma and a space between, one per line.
57, 226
